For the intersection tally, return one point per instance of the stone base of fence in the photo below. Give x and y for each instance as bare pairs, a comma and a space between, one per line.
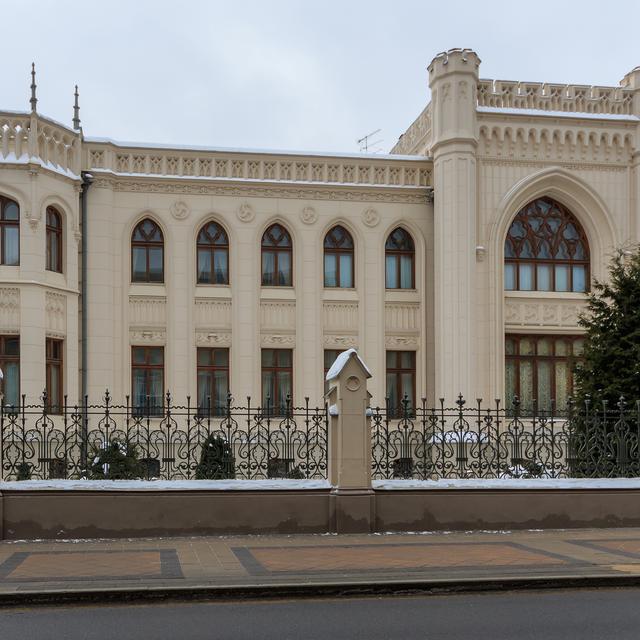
57, 513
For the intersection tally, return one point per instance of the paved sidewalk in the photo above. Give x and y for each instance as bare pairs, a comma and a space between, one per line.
234, 565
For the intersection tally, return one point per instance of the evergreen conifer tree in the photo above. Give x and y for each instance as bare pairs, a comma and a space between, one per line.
216, 460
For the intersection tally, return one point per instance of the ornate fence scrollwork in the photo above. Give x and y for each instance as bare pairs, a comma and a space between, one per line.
166, 444
476, 441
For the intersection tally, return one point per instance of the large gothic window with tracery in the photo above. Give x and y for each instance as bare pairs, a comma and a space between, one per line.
546, 250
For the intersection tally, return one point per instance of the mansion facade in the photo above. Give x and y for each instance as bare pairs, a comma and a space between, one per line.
458, 263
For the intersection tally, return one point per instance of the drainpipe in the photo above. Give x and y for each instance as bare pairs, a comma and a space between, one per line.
87, 179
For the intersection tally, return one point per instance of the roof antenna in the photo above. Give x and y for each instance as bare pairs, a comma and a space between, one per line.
366, 144
34, 100
76, 111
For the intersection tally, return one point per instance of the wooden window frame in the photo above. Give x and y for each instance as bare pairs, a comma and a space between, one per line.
277, 251
338, 251
211, 369
276, 410
152, 412
397, 254
146, 245
397, 371
534, 239
54, 232
535, 359
7, 358
212, 248
54, 405
4, 225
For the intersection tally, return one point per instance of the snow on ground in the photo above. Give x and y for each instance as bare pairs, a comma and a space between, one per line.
510, 483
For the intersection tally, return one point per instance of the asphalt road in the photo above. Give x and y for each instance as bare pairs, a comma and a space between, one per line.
545, 615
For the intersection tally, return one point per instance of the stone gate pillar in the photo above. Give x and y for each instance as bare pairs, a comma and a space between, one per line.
453, 79
352, 500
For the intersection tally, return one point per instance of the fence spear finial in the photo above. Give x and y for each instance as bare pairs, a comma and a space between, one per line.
76, 111
34, 99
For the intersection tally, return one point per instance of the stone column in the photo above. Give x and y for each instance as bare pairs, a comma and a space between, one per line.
352, 498
453, 78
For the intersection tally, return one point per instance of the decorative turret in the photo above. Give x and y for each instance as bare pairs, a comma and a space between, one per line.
632, 81
453, 79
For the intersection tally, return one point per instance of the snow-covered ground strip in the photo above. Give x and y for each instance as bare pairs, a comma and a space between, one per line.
163, 485
558, 114
510, 483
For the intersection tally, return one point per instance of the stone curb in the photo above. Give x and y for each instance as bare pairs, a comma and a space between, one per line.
313, 590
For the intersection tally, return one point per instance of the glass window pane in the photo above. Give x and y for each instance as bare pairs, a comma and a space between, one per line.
11, 249
578, 347
268, 388
139, 390
284, 357
268, 268
561, 348
155, 389
562, 384
544, 277
509, 277
346, 272
406, 275
545, 347
155, 264
220, 390
204, 357
526, 384
11, 211
53, 390
392, 390
391, 272
510, 382
510, 346
139, 266
284, 269
138, 355
391, 359
526, 277
562, 277
579, 279
12, 346
204, 266
156, 355
11, 381
544, 386
526, 347
204, 389
267, 358
406, 359
284, 387
220, 266
330, 276
53, 254
406, 388
221, 357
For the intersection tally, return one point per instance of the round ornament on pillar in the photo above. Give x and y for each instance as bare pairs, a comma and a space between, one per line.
353, 383
370, 217
245, 212
180, 210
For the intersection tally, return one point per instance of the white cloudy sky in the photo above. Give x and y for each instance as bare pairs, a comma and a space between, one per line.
289, 75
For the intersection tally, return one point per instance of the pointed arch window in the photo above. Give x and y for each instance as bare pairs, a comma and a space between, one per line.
147, 253
399, 260
213, 255
54, 240
9, 232
338, 258
277, 250
546, 250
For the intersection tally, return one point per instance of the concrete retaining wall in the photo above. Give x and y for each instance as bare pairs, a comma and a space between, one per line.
56, 513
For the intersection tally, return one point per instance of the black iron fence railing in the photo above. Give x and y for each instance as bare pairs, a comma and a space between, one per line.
593, 440
174, 442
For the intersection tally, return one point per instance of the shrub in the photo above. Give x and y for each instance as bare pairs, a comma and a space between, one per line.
216, 460
115, 461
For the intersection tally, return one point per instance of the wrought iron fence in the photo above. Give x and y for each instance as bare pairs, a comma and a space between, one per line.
430, 443
108, 440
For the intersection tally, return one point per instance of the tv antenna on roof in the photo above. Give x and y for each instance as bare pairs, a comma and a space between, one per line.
366, 144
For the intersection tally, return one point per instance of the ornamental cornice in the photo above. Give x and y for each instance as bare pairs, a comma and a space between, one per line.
180, 186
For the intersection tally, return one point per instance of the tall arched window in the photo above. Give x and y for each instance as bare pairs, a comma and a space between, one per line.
54, 240
147, 253
276, 257
9, 232
213, 255
338, 258
399, 260
546, 250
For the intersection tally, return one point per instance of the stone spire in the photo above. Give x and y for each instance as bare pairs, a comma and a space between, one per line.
34, 100
76, 111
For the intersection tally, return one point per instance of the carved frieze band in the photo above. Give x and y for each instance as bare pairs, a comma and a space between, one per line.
150, 335
10, 309
278, 340
546, 313
212, 313
213, 338
402, 316
56, 313
340, 315
147, 310
340, 341
411, 196
278, 314
397, 342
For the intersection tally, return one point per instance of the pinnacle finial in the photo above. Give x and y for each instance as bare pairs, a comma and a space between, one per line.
76, 111
34, 100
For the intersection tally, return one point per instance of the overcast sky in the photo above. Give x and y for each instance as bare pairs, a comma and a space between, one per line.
289, 75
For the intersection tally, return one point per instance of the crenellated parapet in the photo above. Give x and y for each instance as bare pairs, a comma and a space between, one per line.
417, 138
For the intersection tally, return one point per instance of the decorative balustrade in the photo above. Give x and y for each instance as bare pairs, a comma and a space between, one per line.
555, 97
29, 138
259, 166
417, 136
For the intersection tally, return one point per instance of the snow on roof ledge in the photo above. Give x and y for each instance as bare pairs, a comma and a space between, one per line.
341, 362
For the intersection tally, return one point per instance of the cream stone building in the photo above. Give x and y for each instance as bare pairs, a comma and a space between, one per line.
455, 264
